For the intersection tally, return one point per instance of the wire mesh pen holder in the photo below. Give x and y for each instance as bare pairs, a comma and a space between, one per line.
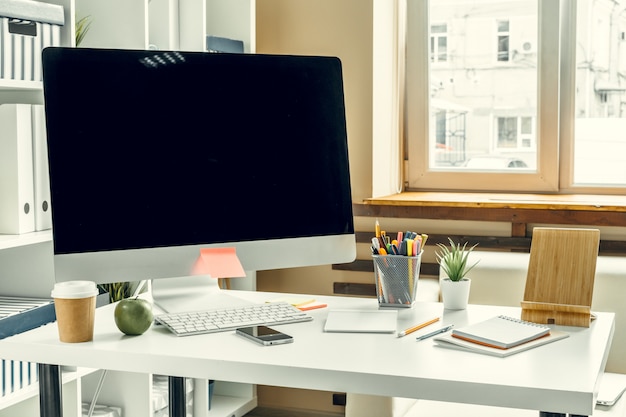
396, 279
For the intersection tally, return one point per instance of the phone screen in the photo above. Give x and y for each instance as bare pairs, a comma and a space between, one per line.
265, 335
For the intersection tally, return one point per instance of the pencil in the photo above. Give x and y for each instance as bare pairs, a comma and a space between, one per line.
419, 326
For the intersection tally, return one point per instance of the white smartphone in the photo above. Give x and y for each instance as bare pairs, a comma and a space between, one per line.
264, 335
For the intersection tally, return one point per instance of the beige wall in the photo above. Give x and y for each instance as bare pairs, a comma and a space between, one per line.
341, 28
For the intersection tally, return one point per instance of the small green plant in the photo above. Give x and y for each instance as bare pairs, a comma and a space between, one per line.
82, 27
117, 290
120, 290
453, 260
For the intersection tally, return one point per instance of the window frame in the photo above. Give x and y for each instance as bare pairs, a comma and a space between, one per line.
418, 174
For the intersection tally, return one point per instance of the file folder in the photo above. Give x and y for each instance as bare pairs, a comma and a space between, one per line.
43, 217
16, 170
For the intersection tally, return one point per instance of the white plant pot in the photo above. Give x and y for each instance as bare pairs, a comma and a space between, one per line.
455, 294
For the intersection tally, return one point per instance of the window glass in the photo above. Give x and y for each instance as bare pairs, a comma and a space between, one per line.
600, 93
483, 84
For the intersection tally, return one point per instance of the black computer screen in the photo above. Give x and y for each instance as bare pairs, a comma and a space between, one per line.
159, 148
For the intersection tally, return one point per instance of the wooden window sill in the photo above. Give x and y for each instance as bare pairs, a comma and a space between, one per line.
518, 209
587, 202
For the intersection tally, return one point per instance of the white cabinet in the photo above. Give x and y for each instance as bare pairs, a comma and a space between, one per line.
135, 394
25, 402
136, 24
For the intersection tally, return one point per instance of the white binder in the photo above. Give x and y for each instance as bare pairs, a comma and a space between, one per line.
43, 218
6, 70
16, 170
28, 55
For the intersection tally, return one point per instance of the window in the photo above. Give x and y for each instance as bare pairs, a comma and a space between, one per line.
538, 82
438, 43
599, 97
503, 40
514, 133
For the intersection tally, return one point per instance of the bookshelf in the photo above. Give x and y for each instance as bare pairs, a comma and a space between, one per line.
143, 24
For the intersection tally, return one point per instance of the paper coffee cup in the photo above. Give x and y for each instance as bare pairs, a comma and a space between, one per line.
75, 307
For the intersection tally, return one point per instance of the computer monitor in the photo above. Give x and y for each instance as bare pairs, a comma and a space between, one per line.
154, 155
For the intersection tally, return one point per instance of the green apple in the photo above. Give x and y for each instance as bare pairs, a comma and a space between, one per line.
133, 316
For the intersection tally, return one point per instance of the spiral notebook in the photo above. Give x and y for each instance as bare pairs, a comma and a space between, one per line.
501, 332
450, 342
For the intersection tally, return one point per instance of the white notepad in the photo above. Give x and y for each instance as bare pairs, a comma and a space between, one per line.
361, 321
502, 332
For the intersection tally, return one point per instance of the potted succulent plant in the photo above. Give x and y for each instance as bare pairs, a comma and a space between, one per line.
455, 285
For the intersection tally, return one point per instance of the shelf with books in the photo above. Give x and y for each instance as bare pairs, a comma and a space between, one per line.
164, 24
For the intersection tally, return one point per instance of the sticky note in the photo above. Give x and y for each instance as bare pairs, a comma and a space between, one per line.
219, 263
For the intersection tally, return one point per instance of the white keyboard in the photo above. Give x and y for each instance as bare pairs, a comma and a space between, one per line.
211, 321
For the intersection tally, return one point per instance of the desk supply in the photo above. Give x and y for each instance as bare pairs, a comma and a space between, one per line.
301, 303
416, 328
312, 306
434, 333
295, 301
561, 273
361, 321
406, 243
396, 279
501, 332
397, 260
211, 321
450, 342
219, 263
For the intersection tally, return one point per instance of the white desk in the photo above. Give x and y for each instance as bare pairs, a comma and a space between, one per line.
558, 377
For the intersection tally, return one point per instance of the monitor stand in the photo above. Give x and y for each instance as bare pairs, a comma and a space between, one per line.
191, 293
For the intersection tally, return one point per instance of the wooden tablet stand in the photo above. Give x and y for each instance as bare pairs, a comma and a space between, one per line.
561, 272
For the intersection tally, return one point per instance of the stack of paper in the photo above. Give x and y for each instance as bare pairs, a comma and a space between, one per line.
500, 336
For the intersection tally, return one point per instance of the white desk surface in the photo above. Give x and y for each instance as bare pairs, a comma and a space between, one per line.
558, 377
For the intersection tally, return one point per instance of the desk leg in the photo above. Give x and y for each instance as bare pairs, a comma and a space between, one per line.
177, 396
50, 398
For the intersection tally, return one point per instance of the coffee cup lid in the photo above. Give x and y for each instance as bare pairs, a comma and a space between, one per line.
74, 289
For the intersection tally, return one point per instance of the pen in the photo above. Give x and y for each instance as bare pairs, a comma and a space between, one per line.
419, 326
434, 333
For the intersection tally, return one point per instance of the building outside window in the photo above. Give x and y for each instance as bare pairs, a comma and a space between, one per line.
561, 96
